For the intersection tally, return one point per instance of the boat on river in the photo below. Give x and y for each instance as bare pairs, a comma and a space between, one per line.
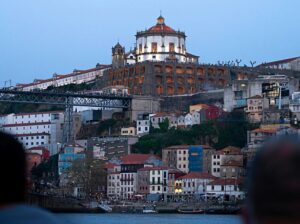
190, 211
149, 211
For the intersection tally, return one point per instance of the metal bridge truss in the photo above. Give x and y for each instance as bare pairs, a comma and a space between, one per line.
68, 100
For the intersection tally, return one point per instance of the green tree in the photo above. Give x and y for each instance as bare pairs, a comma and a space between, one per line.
164, 125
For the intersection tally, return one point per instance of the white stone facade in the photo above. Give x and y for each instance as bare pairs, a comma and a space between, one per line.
34, 129
114, 185
128, 184
77, 77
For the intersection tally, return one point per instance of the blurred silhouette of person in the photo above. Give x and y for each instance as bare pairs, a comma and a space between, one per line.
274, 184
13, 209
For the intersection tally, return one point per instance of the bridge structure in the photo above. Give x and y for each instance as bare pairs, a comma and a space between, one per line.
68, 100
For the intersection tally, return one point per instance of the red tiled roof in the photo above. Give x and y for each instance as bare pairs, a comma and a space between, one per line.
26, 124
31, 134
174, 170
279, 61
42, 112
136, 158
197, 175
161, 28
264, 130
154, 168
201, 105
226, 181
78, 72
109, 165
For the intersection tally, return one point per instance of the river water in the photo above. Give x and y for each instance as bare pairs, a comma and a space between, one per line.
148, 219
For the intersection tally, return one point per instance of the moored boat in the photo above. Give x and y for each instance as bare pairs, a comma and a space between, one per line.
149, 211
191, 211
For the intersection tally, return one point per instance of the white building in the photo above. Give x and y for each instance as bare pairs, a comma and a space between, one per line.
191, 119
143, 124
77, 77
227, 186
194, 183
129, 167
35, 129
162, 43
158, 118
289, 63
269, 87
114, 185
153, 180
176, 157
220, 157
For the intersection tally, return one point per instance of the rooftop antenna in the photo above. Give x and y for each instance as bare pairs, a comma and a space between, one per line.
160, 12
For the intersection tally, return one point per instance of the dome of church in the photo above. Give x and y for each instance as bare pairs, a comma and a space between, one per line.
161, 27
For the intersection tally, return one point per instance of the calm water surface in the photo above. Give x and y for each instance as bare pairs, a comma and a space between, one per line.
148, 219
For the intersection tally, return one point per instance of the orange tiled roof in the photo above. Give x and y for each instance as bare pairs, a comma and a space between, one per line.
161, 28
260, 130
137, 158
109, 165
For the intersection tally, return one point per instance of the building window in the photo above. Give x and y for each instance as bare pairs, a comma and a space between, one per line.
171, 47
154, 47
140, 48
153, 188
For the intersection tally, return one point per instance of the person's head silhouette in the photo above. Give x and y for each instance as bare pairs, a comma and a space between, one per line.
13, 186
274, 183
13, 170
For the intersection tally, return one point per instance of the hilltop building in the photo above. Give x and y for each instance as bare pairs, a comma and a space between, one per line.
160, 65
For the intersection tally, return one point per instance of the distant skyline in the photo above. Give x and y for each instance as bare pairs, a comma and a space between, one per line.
39, 38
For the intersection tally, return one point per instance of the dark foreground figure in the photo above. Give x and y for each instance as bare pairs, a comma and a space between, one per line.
274, 184
13, 210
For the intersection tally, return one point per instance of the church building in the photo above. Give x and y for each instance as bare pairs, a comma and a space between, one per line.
160, 65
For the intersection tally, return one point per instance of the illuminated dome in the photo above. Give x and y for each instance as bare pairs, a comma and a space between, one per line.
161, 27
160, 43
